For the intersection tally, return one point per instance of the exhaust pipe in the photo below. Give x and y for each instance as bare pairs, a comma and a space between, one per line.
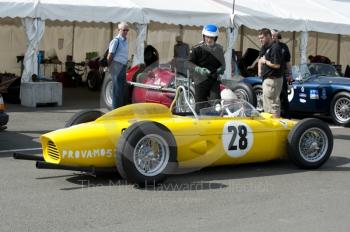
91, 169
27, 157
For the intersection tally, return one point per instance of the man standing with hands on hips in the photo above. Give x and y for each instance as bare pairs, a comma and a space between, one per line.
117, 60
271, 71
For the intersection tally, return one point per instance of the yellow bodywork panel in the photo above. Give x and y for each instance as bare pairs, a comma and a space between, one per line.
200, 142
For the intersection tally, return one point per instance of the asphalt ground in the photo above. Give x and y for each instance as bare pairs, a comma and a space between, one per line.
272, 196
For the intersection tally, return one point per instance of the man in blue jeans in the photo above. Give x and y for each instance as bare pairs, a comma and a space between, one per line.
117, 59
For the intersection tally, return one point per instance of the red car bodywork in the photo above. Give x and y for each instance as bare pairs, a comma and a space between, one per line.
155, 77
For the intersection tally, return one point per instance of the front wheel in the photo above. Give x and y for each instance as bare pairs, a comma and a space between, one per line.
310, 143
146, 153
340, 108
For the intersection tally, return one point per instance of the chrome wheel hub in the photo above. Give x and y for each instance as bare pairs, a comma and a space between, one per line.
342, 109
181, 103
109, 93
241, 94
313, 144
151, 155
259, 98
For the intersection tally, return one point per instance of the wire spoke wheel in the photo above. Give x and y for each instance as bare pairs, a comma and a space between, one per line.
241, 94
342, 109
259, 98
151, 155
181, 103
313, 144
109, 93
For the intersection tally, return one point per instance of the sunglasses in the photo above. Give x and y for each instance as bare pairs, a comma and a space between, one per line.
125, 30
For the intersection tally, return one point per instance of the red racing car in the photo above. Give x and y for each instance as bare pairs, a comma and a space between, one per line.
158, 85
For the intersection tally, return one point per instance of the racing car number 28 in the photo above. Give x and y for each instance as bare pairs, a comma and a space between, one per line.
237, 138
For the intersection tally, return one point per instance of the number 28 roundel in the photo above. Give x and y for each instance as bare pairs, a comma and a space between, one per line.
237, 138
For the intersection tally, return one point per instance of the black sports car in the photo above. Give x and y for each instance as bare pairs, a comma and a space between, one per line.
316, 89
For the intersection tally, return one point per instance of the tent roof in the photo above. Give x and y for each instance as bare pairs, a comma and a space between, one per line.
17, 8
193, 12
328, 16
186, 12
91, 10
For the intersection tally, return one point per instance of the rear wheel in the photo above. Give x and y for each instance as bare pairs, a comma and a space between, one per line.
245, 91
310, 143
106, 92
181, 103
340, 108
83, 116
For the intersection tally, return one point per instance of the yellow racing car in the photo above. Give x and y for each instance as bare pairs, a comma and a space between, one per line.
146, 142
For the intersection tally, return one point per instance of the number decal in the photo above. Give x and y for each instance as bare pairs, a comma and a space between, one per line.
242, 133
243, 142
237, 138
234, 134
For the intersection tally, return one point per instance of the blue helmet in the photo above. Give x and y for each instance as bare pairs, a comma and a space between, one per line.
210, 30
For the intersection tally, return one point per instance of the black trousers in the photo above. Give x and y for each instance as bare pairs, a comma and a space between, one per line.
205, 90
284, 99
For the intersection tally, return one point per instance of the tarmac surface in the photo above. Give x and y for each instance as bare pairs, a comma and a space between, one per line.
274, 196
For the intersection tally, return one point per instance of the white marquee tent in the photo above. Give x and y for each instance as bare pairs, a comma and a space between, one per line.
327, 16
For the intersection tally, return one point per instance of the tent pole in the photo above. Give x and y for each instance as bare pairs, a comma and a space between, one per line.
242, 39
303, 46
316, 47
338, 48
293, 48
73, 39
111, 31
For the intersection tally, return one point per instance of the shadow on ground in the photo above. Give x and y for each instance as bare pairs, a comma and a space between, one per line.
207, 178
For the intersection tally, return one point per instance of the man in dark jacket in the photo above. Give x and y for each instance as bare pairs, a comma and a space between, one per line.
206, 63
287, 73
181, 53
270, 69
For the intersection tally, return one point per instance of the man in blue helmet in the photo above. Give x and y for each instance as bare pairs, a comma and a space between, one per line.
206, 63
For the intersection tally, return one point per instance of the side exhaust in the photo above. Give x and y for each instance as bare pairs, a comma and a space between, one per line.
27, 157
91, 169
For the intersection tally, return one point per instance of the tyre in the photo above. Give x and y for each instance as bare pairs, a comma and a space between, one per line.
146, 153
106, 93
259, 97
84, 116
181, 104
340, 108
246, 92
310, 143
94, 80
